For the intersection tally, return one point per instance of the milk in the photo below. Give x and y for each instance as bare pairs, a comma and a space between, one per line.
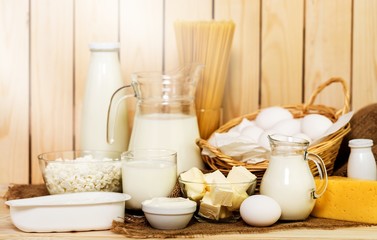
145, 179
171, 131
288, 180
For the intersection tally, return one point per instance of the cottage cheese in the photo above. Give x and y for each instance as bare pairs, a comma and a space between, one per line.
85, 174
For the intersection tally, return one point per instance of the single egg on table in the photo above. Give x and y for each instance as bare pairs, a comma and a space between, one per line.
260, 211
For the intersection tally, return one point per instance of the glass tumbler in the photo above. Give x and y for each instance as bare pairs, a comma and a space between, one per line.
147, 173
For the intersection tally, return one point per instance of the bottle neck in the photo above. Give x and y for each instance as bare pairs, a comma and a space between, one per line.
105, 61
105, 54
361, 149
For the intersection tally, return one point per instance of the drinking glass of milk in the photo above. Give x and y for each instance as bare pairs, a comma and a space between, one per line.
147, 173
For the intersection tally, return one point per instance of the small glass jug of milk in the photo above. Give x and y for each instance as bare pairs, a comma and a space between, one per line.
288, 178
165, 115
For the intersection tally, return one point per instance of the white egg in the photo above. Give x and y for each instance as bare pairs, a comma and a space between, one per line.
252, 133
263, 139
268, 117
315, 125
288, 127
260, 211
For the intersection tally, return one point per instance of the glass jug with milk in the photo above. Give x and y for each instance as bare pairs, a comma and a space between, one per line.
165, 116
288, 178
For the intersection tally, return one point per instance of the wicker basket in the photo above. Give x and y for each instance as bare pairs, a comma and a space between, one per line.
326, 149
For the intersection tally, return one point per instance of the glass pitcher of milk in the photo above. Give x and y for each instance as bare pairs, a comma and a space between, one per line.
288, 178
165, 115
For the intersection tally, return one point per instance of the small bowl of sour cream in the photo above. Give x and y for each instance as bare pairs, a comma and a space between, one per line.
168, 213
81, 171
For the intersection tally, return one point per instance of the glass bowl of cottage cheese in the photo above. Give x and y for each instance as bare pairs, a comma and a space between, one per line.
81, 171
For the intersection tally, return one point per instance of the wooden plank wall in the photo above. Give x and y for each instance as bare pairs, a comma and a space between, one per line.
282, 50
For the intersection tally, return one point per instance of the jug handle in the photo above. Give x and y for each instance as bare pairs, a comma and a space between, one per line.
322, 173
112, 111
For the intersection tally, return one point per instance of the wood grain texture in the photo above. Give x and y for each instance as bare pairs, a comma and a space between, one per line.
141, 24
364, 70
327, 48
95, 21
141, 37
243, 77
14, 91
51, 79
186, 11
282, 52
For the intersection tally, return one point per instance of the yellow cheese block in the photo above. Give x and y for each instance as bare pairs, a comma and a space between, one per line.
348, 199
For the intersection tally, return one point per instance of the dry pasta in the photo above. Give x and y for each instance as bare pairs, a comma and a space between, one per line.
208, 43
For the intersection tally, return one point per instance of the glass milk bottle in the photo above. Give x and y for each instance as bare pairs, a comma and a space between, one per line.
104, 77
361, 161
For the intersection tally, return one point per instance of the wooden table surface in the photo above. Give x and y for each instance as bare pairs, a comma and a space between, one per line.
9, 231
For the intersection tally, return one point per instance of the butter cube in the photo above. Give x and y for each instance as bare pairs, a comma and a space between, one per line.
195, 191
195, 184
209, 211
214, 212
219, 195
193, 175
219, 189
215, 177
240, 174
238, 198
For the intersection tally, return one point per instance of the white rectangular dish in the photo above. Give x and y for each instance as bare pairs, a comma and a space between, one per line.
68, 212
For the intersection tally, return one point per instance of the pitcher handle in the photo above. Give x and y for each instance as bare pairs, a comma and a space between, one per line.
322, 173
112, 111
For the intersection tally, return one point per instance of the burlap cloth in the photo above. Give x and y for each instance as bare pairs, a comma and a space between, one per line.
139, 227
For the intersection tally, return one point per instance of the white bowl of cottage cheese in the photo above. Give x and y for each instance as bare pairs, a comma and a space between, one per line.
81, 171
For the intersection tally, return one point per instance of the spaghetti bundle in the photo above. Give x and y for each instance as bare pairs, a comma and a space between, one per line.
208, 43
